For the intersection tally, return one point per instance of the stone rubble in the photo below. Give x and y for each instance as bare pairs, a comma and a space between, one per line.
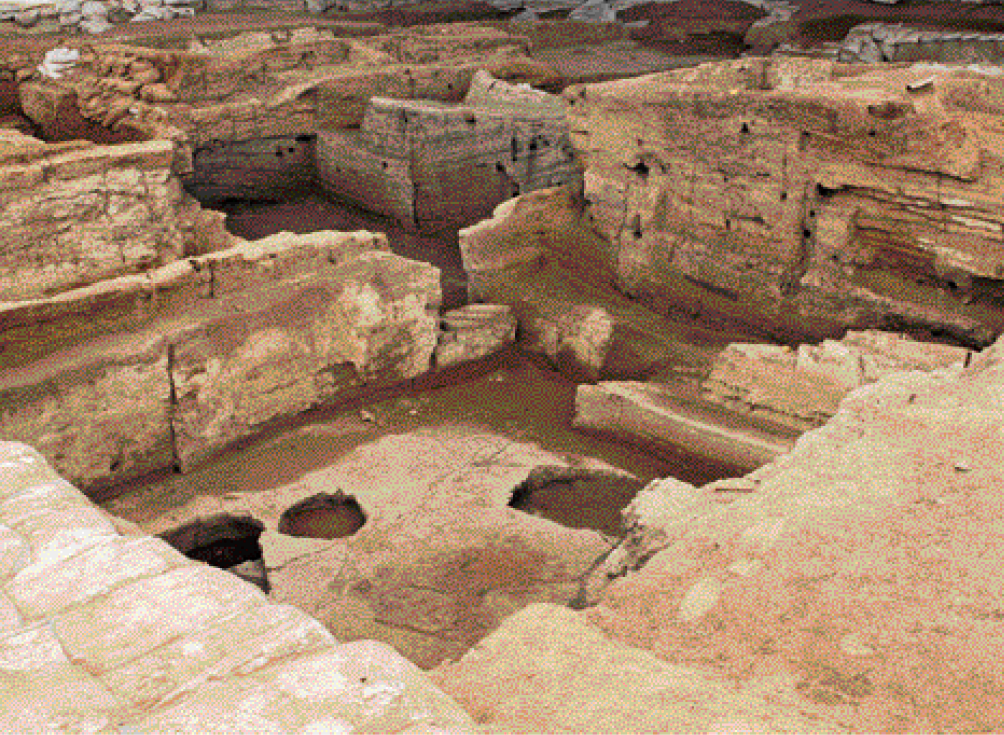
803, 388
873, 43
92, 17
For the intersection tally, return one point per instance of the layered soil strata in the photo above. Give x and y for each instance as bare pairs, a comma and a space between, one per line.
799, 197
175, 364
76, 213
138, 334
847, 584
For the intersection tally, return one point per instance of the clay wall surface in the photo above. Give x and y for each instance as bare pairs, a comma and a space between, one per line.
135, 373
446, 164
75, 213
103, 627
820, 195
261, 168
520, 100
351, 171
342, 99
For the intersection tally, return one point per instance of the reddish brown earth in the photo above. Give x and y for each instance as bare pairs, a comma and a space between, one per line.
888, 613
207, 23
829, 20
693, 26
437, 11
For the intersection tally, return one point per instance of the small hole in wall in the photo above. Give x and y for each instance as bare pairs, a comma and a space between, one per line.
745, 129
784, 196
324, 515
636, 226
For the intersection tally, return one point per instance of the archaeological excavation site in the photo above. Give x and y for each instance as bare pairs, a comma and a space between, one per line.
501, 366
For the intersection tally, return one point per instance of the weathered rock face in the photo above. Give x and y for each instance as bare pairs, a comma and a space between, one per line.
271, 168
856, 565
802, 388
531, 675
75, 213
802, 196
364, 317
875, 42
537, 255
433, 166
103, 627
134, 373
474, 331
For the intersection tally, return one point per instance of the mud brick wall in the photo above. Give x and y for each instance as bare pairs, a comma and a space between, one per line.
136, 373
75, 213
811, 191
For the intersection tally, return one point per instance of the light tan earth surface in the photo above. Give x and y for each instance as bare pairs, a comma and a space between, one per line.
742, 264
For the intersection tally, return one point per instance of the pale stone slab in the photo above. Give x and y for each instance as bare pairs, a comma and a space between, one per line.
235, 645
130, 621
361, 686
56, 520
54, 584
15, 553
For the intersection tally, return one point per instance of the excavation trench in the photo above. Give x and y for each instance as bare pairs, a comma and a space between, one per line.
511, 395
515, 394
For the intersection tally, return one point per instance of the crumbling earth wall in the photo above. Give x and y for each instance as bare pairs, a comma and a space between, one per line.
791, 197
136, 373
75, 213
806, 194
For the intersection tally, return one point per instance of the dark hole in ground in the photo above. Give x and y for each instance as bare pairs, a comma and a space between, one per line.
224, 541
641, 168
577, 498
323, 516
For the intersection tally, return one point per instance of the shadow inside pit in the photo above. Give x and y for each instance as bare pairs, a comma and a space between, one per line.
224, 541
577, 498
323, 516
